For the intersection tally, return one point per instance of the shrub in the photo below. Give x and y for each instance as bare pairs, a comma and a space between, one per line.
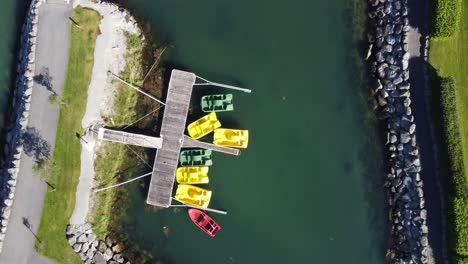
458, 195
447, 18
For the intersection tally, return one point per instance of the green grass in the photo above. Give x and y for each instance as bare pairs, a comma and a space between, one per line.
449, 57
126, 99
59, 205
447, 18
114, 163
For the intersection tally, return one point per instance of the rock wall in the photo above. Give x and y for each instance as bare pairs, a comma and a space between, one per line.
17, 120
390, 84
91, 250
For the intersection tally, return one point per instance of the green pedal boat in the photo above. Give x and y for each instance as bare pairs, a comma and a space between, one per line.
217, 103
195, 157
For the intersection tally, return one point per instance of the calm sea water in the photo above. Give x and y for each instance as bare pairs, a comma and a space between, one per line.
309, 187
11, 18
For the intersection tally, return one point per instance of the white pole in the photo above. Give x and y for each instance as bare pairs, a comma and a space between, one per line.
245, 90
122, 183
136, 88
198, 207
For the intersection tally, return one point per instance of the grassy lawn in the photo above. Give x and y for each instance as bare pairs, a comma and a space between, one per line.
449, 57
59, 205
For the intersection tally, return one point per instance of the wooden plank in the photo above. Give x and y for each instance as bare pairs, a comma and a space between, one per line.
172, 133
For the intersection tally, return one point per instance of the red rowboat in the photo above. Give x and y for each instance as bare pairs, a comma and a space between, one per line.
204, 221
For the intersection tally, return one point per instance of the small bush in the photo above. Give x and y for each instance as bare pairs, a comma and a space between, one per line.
447, 18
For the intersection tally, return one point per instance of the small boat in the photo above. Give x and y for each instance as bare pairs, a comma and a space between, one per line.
203, 126
204, 222
231, 137
195, 157
217, 103
193, 195
192, 175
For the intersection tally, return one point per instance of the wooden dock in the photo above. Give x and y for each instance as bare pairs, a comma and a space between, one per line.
172, 133
129, 138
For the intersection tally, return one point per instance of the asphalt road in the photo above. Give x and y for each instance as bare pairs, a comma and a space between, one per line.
52, 53
420, 92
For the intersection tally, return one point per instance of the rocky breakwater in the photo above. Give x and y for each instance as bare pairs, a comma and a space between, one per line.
17, 120
390, 84
91, 250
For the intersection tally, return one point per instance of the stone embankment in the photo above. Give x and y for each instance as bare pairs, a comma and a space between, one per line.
18, 118
91, 250
389, 69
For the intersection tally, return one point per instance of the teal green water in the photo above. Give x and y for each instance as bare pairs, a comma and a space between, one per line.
11, 16
309, 187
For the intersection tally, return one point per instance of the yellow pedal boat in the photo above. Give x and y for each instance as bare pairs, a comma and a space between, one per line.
192, 175
203, 126
193, 195
231, 137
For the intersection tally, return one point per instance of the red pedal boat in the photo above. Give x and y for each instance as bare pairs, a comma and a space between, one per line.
204, 221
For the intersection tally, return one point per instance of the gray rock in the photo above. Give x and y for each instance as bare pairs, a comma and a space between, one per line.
118, 248
379, 57
390, 59
390, 74
77, 247
102, 246
405, 137
90, 254
388, 48
390, 39
424, 241
108, 254
82, 238
72, 240
381, 70
376, 85
109, 241
390, 87
406, 102
85, 247
404, 86
95, 243
99, 258
381, 100
379, 42
91, 238
405, 94
397, 80
412, 128
82, 256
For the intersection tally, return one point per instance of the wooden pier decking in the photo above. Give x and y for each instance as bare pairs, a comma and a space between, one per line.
129, 138
172, 134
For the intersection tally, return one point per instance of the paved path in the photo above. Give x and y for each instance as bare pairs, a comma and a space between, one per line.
433, 191
51, 53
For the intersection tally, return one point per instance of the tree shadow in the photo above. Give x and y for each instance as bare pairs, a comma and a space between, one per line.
34, 145
28, 225
44, 79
